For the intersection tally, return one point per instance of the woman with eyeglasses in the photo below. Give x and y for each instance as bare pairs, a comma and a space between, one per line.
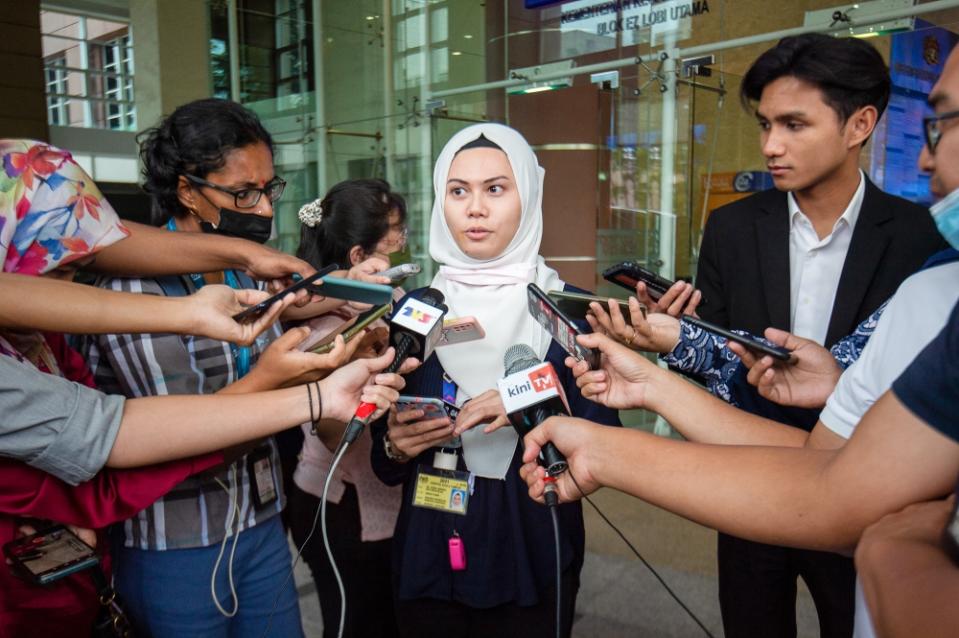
211, 557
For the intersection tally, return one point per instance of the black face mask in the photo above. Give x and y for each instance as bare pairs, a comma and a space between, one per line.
243, 225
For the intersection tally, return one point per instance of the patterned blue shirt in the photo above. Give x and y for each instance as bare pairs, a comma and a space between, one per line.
704, 354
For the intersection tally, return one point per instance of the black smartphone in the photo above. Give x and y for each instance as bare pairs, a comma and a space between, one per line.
558, 325
629, 273
253, 312
748, 342
576, 304
49, 555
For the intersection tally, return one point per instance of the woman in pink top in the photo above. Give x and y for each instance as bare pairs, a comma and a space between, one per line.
357, 219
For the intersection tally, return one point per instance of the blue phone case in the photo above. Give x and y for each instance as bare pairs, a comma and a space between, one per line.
353, 290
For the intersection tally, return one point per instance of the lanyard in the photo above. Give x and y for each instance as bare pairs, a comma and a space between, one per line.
241, 355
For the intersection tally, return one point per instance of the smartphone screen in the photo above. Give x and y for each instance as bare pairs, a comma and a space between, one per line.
253, 312
558, 325
50, 554
748, 342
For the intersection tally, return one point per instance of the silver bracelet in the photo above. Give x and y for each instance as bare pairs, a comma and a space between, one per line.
391, 452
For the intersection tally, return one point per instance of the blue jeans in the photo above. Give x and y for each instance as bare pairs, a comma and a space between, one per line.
167, 593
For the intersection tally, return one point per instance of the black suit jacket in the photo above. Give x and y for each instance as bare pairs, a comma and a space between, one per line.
744, 261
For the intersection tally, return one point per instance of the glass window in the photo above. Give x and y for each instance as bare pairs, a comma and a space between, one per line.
88, 69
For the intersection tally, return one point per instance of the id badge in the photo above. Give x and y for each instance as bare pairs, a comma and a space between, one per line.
444, 490
259, 467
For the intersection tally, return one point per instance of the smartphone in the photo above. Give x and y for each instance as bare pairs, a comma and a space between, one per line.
355, 290
350, 328
398, 273
461, 330
432, 408
576, 304
253, 312
629, 273
559, 326
49, 555
751, 343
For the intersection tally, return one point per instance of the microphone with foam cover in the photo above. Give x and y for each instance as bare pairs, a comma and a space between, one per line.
531, 393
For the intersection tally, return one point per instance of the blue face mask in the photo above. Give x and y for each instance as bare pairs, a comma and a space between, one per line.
945, 213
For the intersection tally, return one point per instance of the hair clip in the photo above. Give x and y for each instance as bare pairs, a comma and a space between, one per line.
311, 214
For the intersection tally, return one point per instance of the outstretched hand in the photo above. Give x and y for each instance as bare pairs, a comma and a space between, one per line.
805, 381
681, 299
212, 308
623, 378
657, 332
358, 382
574, 438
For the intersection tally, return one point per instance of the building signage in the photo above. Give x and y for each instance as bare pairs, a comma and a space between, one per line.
607, 18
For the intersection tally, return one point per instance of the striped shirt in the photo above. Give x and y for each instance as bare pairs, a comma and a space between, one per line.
197, 512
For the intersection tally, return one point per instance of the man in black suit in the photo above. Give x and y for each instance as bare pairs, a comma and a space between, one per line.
815, 256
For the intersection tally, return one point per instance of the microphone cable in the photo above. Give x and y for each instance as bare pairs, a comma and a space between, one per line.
662, 582
320, 514
552, 501
326, 538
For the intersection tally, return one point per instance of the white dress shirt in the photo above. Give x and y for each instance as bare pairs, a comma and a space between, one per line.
815, 266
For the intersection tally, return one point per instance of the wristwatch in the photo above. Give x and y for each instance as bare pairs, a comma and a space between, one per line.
391, 452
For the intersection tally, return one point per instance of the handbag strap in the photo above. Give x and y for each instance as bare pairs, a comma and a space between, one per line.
117, 619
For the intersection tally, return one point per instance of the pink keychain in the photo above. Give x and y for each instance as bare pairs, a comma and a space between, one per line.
457, 553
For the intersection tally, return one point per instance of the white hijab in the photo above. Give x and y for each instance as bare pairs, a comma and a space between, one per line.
492, 290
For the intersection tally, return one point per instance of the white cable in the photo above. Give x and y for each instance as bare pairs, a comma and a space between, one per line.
321, 511
326, 538
234, 516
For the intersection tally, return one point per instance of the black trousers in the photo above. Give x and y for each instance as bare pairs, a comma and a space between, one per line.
364, 567
757, 589
429, 618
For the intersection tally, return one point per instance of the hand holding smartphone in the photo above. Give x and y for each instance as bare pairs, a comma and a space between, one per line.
558, 325
253, 312
576, 305
397, 274
49, 555
350, 328
751, 343
629, 273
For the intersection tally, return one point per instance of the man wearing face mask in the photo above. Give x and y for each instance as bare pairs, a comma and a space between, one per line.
208, 167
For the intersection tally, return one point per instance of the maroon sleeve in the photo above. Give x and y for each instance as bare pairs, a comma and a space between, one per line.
109, 497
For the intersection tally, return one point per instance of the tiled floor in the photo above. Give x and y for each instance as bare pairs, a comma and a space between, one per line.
618, 596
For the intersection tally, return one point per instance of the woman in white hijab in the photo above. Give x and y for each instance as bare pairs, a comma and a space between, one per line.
485, 232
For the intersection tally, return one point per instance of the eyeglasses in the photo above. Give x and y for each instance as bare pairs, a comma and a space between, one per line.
933, 129
397, 241
246, 197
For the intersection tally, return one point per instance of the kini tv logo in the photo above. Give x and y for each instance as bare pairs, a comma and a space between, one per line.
417, 315
540, 380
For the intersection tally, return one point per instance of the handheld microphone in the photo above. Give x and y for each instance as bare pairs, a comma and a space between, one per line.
531, 393
415, 327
